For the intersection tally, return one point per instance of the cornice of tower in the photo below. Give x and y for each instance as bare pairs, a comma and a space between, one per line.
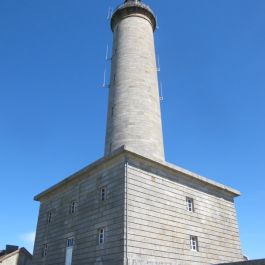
124, 154
129, 8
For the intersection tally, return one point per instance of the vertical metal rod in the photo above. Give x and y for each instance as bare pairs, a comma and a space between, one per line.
104, 77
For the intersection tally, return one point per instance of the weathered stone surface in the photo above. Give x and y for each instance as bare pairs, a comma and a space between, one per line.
17, 257
145, 216
134, 117
83, 225
159, 225
250, 262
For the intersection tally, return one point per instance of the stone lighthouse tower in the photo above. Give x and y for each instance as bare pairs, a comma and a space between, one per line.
131, 207
134, 117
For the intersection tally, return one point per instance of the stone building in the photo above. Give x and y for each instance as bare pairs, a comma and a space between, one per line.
13, 255
131, 206
249, 262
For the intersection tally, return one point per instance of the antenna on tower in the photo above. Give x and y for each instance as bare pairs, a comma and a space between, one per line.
107, 58
104, 77
158, 63
161, 92
157, 26
110, 13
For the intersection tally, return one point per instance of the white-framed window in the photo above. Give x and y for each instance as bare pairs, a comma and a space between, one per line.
101, 236
44, 250
72, 207
190, 204
49, 217
69, 250
70, 242
103, 194
194, 243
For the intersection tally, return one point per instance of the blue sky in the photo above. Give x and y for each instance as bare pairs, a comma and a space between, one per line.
53, 108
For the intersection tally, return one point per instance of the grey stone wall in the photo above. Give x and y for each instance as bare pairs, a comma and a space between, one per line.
12, 260
24, 260
159, 225
250, 262
134, 117
144, 216
83, 225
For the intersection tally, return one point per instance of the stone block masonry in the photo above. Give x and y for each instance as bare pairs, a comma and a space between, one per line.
145, 216
153, 213
134, 116
250, 262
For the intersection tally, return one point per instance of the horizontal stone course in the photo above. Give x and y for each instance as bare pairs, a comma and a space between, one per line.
145, 218
160, 226
250, 262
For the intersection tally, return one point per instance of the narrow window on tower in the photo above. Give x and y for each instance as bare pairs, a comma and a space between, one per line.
70, 242
49, 217
44, 250
194, 243
112, 111
69, 251
72, 207
110, 147
101, 236
114, 77
190, 204
103, 194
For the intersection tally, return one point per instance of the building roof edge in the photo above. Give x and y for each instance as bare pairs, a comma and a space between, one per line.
20, 250
125, 149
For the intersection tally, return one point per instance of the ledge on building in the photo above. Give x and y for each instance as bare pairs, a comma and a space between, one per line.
249, 262
124, 151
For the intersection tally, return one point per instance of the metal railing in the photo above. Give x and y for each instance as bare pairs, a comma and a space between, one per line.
131, 4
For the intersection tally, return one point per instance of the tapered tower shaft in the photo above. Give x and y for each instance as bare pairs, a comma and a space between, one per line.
134, 116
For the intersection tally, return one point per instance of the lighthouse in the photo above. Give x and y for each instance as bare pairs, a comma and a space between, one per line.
132, 207
134, 116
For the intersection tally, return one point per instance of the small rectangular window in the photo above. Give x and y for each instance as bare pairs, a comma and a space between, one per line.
44, 250
49, 217
103, 194
72, 207
101, 236
70, 242
194, 243
190, 204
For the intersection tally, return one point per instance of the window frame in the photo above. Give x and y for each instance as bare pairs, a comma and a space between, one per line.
73, 207
103, 194
101, 236
190, 204
70, 242
49, 217
44, 250
194, 245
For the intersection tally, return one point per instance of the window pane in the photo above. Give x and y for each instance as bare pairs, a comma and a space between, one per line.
101, 237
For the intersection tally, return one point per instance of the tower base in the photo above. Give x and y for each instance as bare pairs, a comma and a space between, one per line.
145, 216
